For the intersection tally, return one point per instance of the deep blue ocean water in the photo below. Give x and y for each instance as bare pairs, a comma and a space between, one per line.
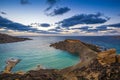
37, 51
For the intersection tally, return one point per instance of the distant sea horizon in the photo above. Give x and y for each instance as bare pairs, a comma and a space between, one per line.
63, 35
37, 51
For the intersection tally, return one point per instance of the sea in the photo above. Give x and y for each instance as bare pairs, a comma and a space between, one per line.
38, 52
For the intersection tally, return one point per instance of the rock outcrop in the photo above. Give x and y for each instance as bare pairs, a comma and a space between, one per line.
43, 74
86, 52
103, 65
4, 38
11, 63
71, 45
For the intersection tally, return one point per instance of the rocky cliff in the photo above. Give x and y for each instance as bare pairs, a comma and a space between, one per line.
4, 38
71, 45
94, 65
106, 66
87, 52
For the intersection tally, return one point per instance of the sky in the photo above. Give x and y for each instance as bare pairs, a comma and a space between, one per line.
60, 17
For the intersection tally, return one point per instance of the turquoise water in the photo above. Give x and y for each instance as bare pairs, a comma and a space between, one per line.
37, 51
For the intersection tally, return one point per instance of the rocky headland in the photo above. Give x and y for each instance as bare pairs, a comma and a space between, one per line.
86, 51
72, 46
4, 38
94, 65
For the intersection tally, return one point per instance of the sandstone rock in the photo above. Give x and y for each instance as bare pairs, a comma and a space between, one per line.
71, 45
10, 63
107, 57
118, 58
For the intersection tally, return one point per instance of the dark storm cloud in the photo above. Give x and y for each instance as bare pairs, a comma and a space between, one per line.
45, 25
8, 24
59, 11
3, 12
46, 32
102, 28
51, 3
113, 31
90, 29
99, 28
117, 25
23, 2
55, 30
84, 28
97, 18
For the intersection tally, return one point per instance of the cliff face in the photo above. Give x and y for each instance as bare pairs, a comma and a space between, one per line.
94, 65
106, 66
43, 74
4, 38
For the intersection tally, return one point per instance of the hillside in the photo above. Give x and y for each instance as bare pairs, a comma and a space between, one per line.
4, 38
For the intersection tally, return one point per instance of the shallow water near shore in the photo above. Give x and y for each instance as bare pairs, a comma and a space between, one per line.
37, 51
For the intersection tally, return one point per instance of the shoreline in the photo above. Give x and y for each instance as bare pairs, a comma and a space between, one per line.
4, 38
91, 61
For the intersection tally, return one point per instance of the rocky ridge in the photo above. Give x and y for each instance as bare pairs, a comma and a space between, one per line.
70, 45
4, 38
106, 66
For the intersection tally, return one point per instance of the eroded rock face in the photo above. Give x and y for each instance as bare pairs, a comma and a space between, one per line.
107, 57
118, 58
4, 38
96, 71
105, 67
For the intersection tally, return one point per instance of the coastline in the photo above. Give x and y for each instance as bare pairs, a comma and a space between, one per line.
4, 38
74, 72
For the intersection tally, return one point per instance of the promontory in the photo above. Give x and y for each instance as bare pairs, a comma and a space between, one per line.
4, 38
